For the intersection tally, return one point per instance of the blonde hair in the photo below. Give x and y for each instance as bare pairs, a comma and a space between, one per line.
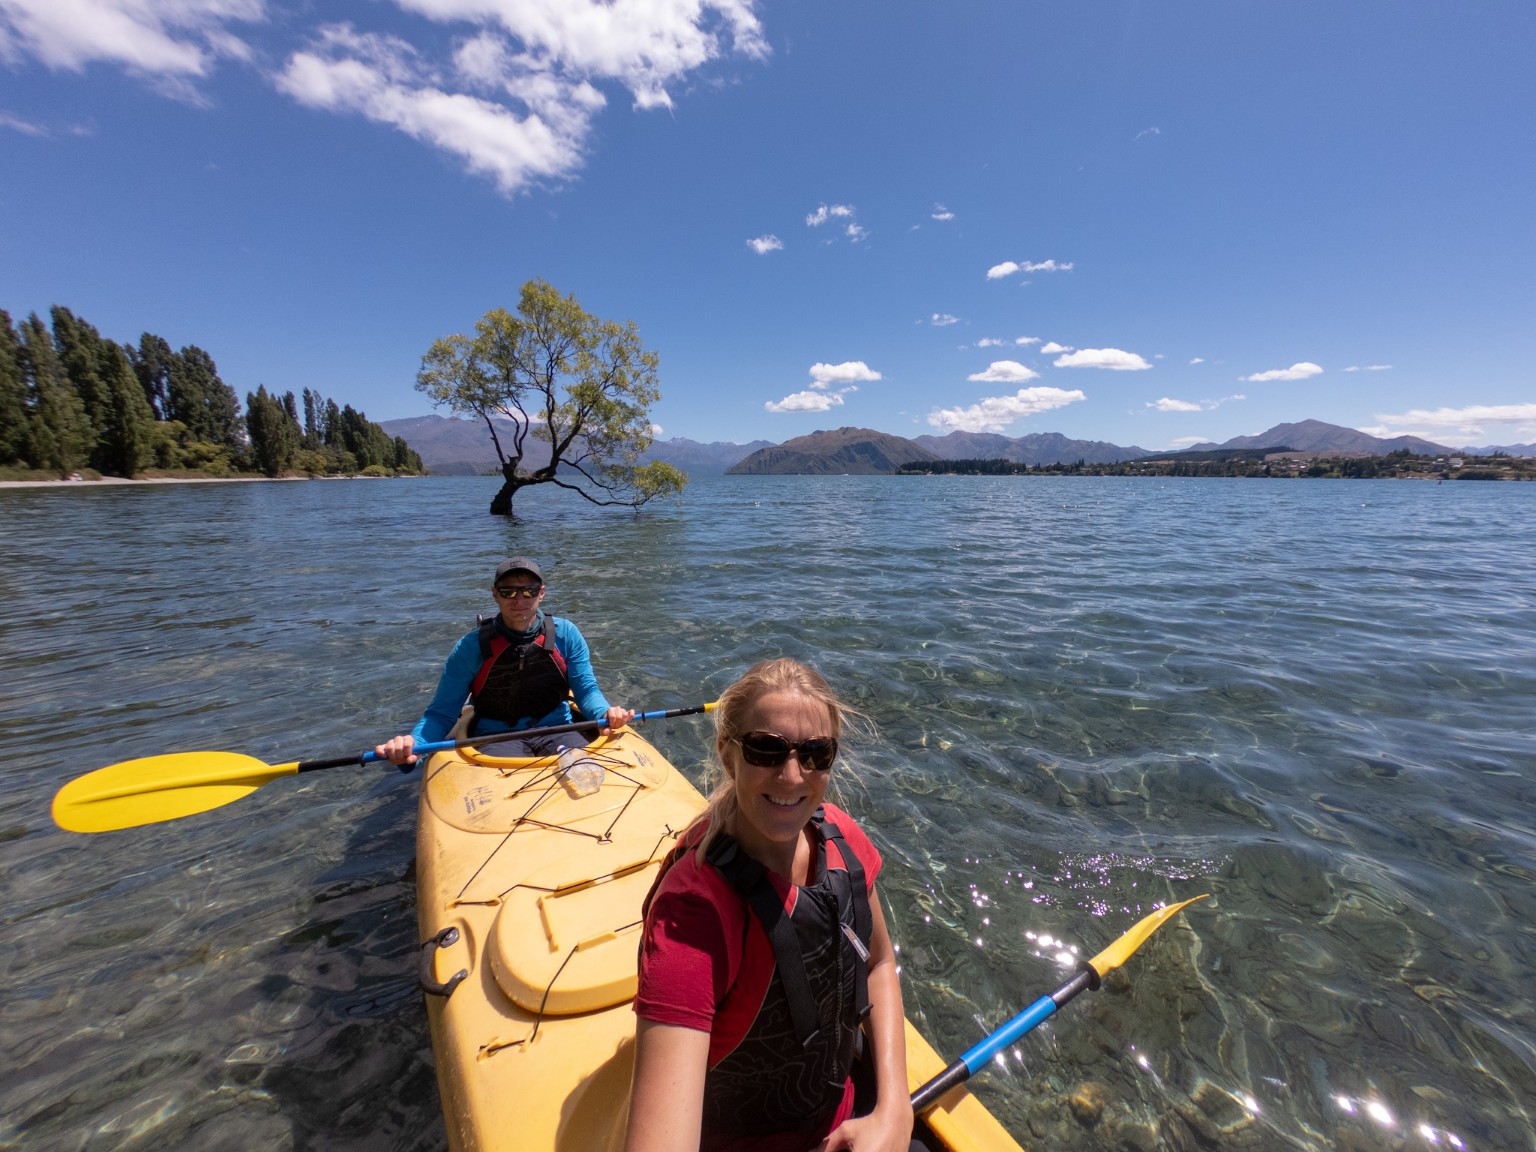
762, 679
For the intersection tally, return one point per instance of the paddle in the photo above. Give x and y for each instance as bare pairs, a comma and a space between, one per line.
156, 788
1093, 971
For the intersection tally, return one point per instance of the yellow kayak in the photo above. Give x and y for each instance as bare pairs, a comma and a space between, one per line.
529, 905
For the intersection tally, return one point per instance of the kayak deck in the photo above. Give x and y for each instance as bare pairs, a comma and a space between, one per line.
529, 909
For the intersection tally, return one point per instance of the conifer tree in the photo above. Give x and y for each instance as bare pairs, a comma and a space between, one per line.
59, 432
13, 396
199, 399
274, 434
152, 365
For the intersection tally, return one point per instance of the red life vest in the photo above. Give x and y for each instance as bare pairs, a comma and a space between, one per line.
518, 680
788, 1072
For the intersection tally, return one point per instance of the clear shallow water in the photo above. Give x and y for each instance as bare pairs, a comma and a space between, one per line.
1311, 699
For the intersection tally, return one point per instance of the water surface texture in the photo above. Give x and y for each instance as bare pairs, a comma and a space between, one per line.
1313, 700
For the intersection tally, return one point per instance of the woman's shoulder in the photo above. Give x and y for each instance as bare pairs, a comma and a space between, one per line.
861, 845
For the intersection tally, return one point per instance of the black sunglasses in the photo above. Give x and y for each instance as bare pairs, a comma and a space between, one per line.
770, 750
526, 591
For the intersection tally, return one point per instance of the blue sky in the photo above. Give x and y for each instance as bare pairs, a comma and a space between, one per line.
1147, 223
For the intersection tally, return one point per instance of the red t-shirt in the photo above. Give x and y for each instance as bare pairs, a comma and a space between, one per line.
706, 963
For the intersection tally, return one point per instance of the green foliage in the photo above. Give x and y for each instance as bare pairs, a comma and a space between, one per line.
13, 396
60, 436
274, 434
555, 373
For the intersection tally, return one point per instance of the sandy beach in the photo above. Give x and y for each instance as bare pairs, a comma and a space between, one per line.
111, 480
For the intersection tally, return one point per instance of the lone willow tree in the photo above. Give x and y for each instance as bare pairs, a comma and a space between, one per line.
581, 385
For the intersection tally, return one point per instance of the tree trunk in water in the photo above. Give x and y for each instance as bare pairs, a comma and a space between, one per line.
501, 503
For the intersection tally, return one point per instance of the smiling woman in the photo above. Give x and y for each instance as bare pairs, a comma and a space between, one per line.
766, 959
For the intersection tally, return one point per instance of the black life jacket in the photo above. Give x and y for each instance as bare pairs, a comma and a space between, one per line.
518, 680
788, 1071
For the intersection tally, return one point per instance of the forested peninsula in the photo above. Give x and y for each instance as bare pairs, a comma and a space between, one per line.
74, 404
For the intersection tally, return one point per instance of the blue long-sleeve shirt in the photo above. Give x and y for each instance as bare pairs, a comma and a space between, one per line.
463, 665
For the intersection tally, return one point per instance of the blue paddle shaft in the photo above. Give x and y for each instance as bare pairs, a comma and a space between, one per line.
1026, 1021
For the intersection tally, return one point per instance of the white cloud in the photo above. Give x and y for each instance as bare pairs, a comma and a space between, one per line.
806, 402
1198, 360
644, 46
988, 342
996, 413
1299, 371
855, 232
513, 97
1149, 132
1052, 348
1169, 405
1004, 372
172, 42
848, 372
1009, 267
943, 319
1470, 421
1112, 358
828, 212
1028, 340
1368, 368
763, 245
1186, 441
382, 78
941, 213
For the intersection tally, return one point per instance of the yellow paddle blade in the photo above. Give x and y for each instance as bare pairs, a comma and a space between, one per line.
158, 788
1120, 951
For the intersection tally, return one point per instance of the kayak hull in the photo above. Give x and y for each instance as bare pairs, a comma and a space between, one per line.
529, 912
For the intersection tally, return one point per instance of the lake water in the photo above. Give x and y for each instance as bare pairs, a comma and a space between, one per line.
1312, 699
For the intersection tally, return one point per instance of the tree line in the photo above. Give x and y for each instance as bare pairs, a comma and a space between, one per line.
71, 399
1250, 463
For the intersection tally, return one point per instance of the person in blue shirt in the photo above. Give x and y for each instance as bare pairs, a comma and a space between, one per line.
519, 670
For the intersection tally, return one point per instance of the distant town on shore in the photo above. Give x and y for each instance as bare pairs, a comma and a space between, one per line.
1309, 448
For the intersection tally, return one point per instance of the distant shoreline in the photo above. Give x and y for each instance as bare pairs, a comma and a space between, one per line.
119, 481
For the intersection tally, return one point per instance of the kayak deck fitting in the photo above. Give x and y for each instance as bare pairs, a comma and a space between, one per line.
529, 908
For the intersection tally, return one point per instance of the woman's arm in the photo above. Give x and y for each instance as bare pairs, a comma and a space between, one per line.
666, 1099
889, 1127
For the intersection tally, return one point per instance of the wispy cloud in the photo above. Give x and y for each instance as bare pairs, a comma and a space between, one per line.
941, 213
25, 127
943, 319
1051, 348
1112, 358
1369, 368
996, 413
1167, 404
1149, 132
1301, 371
1473, 420
1028, 340
511, 90
172, 44
1011, 267
1004, 372
1197, 360
763, 245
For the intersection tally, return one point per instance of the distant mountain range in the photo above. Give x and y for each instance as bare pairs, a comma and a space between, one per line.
1315, 436
451, 446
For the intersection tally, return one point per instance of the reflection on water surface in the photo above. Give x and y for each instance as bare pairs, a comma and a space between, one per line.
1310, 699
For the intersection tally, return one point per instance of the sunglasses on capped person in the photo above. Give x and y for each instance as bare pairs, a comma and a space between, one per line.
770, 750
526, 591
